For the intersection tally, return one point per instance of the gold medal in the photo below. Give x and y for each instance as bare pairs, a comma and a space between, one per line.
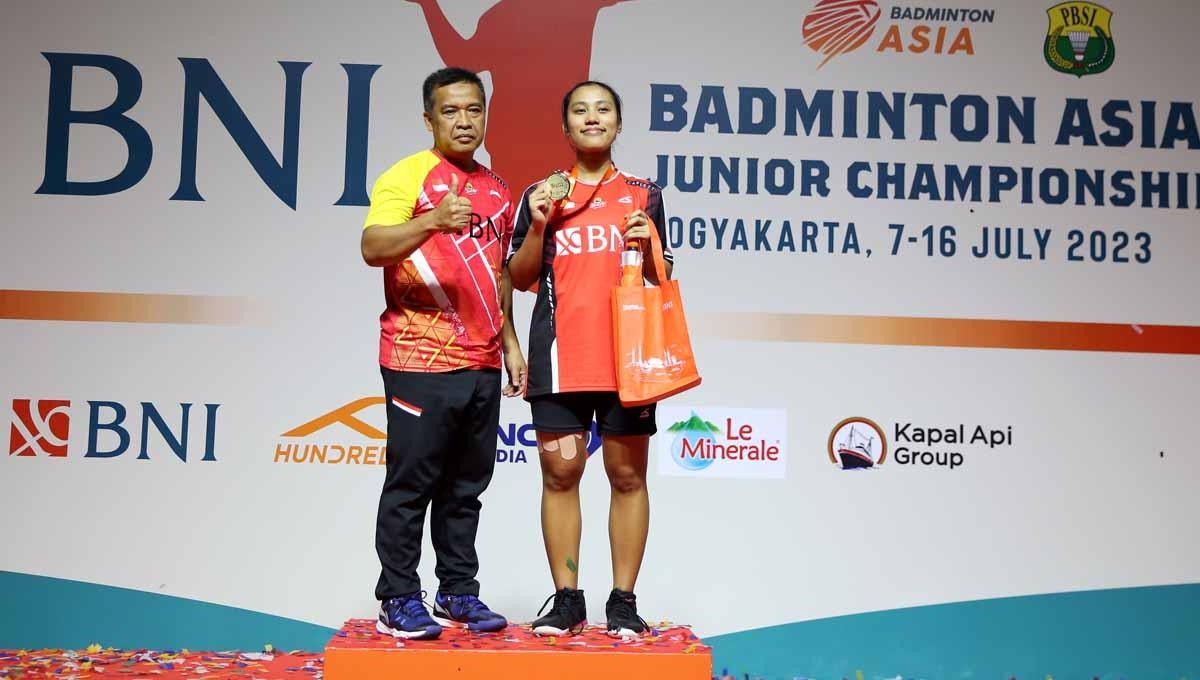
559, 186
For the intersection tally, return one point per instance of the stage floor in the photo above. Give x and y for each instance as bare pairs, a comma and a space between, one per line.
357, 651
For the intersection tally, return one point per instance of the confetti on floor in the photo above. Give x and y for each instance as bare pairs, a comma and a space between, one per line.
269, 664
97, 662
665, 638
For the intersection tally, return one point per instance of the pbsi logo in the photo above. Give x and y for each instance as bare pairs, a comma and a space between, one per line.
1079, 40
41, 427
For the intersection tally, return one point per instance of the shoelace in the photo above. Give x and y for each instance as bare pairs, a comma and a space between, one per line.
470, 604
413, 606
559, 605
562, 605
626, 608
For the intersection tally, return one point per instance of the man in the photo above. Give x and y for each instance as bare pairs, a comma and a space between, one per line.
439, 224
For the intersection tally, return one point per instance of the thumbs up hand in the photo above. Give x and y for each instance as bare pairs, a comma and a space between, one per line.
453, 213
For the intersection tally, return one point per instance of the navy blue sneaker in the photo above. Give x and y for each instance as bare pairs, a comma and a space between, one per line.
406, 617
459, 611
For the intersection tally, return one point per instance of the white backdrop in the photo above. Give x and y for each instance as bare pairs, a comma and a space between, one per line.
1082, 498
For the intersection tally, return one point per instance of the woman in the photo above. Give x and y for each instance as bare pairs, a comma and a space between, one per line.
571, 250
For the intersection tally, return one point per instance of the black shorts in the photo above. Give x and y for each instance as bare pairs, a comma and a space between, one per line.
574, 411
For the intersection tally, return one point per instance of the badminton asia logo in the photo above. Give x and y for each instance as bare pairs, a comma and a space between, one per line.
1079, 40
41, 428
724, 442
836, 27
857, 444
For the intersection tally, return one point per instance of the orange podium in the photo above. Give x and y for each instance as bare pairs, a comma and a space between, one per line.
358, 652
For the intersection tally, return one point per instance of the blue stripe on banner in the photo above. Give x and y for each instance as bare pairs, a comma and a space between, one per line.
1134, 633
41, 612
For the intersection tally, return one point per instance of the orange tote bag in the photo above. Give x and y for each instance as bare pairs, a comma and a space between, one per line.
654, 357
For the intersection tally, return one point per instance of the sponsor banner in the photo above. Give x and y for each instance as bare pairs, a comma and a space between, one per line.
706, 441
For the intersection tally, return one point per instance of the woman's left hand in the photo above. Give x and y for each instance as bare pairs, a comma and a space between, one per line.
637, 226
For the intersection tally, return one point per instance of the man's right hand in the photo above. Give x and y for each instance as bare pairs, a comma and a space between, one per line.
453, 214
540, 207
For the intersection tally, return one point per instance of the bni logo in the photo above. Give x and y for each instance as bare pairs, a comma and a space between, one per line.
39, 427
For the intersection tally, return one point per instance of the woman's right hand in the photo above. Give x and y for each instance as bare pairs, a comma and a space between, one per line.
540, 207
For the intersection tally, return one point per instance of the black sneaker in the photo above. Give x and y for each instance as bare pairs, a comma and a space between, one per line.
623, 619
568, 615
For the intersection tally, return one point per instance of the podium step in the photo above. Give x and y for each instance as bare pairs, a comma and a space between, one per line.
358, 652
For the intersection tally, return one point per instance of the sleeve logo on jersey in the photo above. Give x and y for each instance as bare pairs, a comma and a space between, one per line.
593, 238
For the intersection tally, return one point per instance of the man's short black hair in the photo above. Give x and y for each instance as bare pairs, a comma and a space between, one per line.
449, 76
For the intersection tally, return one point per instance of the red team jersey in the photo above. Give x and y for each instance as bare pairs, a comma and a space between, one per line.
443, 301
570, 332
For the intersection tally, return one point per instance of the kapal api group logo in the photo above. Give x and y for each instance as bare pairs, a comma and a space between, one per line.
859, 444
836, 27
